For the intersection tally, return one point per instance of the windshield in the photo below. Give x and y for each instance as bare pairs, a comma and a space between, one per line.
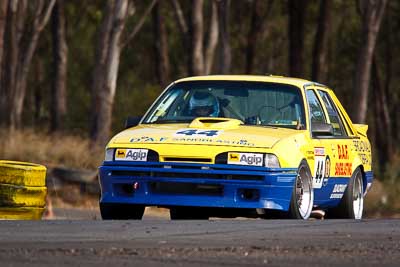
254, 103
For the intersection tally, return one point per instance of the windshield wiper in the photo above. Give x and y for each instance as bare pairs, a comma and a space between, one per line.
286, 126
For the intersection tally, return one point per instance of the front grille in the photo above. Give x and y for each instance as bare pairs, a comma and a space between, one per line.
185, 189
176, 159
161, 174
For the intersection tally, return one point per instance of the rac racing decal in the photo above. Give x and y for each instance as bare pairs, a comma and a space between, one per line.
338, 190
363, 149
343, 152
188, 138
242, 142
343, 168
148, 139
361, 146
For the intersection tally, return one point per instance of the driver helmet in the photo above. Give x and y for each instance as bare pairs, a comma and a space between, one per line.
204, 104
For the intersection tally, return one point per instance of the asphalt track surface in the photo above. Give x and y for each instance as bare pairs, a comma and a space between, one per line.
237, 242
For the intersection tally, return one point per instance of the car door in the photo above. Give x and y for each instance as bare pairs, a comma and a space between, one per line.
319, 151
338, 167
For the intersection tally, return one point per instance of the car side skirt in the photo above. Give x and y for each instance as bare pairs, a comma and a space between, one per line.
331, 193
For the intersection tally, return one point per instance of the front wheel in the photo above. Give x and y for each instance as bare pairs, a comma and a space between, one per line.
302, 200
121, 211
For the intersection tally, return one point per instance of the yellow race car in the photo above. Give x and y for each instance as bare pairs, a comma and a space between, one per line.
232, 145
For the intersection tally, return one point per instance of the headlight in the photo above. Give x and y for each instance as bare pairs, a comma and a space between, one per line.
109, 154
271, 161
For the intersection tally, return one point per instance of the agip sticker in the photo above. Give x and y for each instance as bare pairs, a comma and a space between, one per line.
249, 159
124, 154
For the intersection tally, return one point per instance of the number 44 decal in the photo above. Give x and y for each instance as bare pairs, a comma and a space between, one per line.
191, 132
321, 171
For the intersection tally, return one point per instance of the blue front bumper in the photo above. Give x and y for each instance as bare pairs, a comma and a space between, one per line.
193, 184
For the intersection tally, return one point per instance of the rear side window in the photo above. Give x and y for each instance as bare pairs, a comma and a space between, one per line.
316, 111
333, 114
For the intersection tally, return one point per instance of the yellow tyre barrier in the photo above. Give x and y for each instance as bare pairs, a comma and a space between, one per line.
20, 196
22, 173
21, 213
22, 190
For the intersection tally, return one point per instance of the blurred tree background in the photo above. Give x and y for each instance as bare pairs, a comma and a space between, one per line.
82, 67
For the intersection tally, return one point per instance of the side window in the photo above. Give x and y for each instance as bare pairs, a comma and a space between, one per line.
333, 114
316, 111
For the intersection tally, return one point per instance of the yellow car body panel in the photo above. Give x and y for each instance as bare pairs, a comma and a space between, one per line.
331, 160
258, 139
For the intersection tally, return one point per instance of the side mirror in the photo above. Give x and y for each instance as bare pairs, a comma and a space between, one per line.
132, 121
321, 129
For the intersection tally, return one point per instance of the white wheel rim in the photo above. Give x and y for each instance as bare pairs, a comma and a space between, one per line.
304, 196
358, 197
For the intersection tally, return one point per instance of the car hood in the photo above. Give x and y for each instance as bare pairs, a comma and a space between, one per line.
208, 132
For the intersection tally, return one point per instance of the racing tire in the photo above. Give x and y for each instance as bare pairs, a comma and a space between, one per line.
22, 173
352, 204
21, 213
302, 200
22, 196
121, 211
187, 213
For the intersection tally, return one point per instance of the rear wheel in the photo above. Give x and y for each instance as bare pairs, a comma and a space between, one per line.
119, 211
352, 203
187, 213
302, 200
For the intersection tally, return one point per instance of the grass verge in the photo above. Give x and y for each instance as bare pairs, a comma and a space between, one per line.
57, 149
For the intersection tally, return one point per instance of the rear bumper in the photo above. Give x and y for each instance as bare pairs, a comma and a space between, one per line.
201, 185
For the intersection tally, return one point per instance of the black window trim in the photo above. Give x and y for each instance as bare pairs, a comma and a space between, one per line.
308, 108
345, 133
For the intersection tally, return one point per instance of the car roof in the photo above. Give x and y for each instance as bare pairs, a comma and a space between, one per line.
253, 78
